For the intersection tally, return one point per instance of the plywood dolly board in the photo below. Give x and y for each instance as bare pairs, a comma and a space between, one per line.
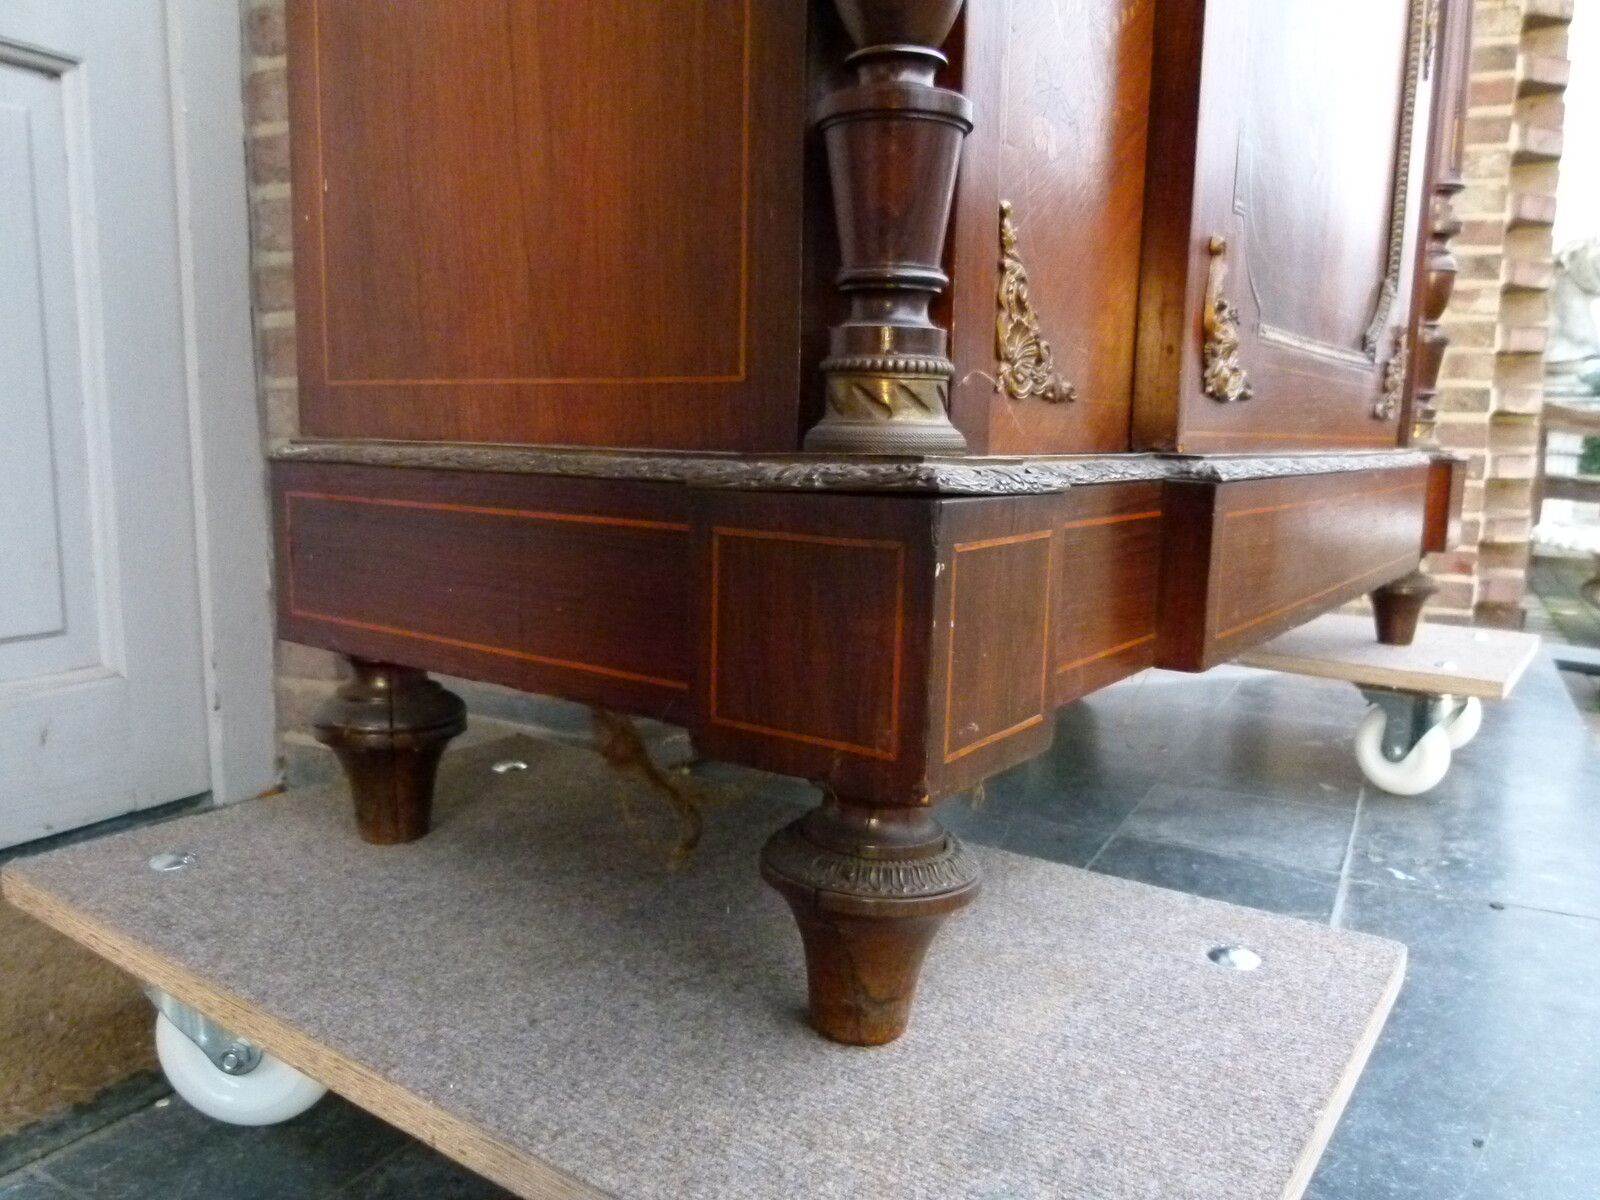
1426, 698
533, 989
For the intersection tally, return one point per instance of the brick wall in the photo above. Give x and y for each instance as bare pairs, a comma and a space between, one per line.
1490, 388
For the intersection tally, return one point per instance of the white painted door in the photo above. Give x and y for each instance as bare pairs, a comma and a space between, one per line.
103, 675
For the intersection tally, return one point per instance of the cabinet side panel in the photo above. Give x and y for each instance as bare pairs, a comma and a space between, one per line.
1108, 568
536, 221
570, 587
1281, 552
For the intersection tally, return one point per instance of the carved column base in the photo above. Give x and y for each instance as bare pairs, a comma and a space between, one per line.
389, 726
869, 888
1397, 606
887, 406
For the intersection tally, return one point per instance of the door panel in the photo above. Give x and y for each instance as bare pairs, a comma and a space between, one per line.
1288, 147
102, 698
48, 611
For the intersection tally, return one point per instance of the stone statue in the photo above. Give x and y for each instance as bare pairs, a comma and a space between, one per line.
1572, 359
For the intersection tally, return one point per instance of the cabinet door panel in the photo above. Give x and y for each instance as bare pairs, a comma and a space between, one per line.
537, 221
1300, 210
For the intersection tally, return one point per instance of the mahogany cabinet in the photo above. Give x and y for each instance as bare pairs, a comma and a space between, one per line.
854, 381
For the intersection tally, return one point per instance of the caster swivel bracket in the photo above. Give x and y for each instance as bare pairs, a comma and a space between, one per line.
228, 1052
1409, 716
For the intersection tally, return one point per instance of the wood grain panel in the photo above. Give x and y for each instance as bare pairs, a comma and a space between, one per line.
775, 600
813, 617
1068, 151
563, 586
990, 686
998, 680
528, 220
1243, 562
1108, 565
1262, 136
1447, 482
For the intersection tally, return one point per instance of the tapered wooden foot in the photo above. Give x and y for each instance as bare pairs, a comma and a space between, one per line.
1397, 606
388, 725
869, 888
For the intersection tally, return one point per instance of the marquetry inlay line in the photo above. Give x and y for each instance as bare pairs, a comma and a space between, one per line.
318, 195
1107, 653
527, 656
1374, 439
530, 514
1044, 646
1267, 508
1025, 723
1139, 516
1409, 557
718, 533
459, 643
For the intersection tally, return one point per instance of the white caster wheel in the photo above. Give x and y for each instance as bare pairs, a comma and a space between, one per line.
271, 1092
1464, 726
1414, 774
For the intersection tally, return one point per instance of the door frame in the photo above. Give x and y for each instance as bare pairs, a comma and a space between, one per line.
205, 71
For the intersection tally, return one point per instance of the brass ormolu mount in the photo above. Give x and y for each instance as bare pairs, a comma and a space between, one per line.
1027, 363
894, 141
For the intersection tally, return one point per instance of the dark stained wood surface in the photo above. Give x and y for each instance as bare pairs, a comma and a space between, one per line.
1066, 146
812, 620
991, 686
1447, 482
1244, 562
536, 221
575, 587
1275, 149
1108, 561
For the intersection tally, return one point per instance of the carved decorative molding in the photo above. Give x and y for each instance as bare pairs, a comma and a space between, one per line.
791, 854
1423, 23
1234, 470
1387, 405
1027, 364
934, 476
1221, 378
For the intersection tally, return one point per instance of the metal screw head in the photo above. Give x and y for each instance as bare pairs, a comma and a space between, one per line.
173, 860
506, 765
1235, 958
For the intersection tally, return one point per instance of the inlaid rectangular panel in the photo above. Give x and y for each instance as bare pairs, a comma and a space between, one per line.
813, 632
1245, 561
776, 600
992, 686
538, 221
568, 586
998, 672
1108, 565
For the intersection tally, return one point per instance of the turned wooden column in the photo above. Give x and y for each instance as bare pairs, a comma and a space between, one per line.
1397, 607
894, 141
388, 725
869, 887
1439, 263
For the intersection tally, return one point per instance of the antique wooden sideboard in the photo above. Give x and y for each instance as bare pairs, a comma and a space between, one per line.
854, 382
